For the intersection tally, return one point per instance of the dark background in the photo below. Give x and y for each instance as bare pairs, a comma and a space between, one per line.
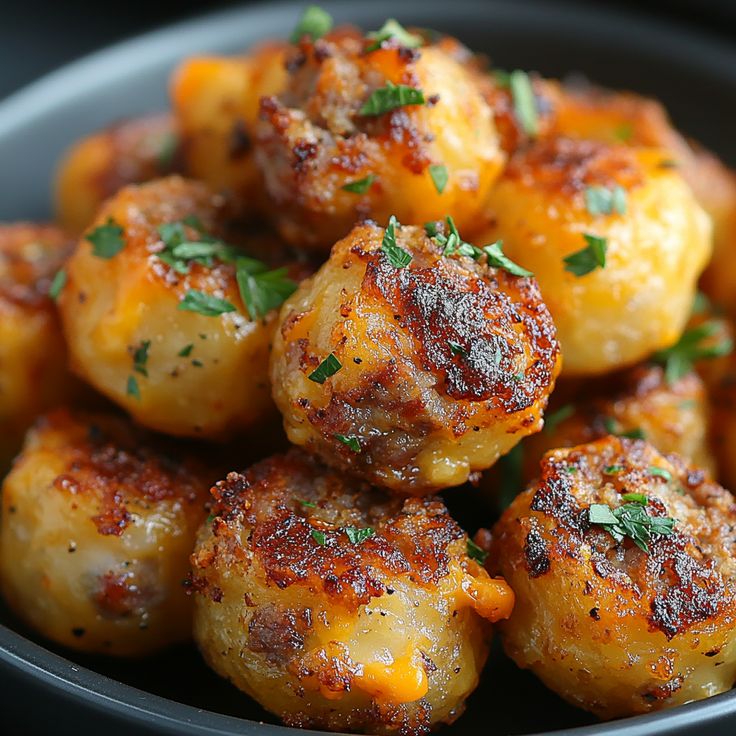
37, 36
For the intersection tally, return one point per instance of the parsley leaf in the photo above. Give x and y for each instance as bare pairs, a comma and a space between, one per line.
661, 472
140, 358
319, 537
551, 421
307, 504
636, 498
613, 469
57, 284
314, 23
439, 175
359, 186
261, 290
205, 304
456, 348
185, 352
630, 520
612, 427
693, 345
107, 240
452, 243
475, 552
356, 535
525, 103
352, 443
605, 201
393, 29
132, 388
397, 256
498, 259
624, 132
385, 99
589, 258
328, 367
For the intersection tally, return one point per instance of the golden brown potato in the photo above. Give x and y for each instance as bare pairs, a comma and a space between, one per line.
169, 337
340, 144
215, 102
444, 365
338, 606
619, 627
619, 283
672, 416
96, 167
97, 525
33, 372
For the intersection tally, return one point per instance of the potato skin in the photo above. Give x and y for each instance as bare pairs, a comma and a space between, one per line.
426, 415
96, 167
607, 626
615, 316
215, 102
110, 307
312, 140
33, 357
98, 521
671, 417
384, 635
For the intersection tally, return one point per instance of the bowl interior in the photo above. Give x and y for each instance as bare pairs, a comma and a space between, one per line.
695, 77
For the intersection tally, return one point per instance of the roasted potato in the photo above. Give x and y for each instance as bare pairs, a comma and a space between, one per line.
630, 623
169, 338
342, 144
216, 101
338, 606
96, 530
412, 377
95, 168
33, 372
616, 240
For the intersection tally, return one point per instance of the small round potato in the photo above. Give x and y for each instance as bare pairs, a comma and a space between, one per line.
615, 626
341, 607
365, 133
96, 530
33, 372
412, 377
216, 102
96, 167
169, 338
616, 240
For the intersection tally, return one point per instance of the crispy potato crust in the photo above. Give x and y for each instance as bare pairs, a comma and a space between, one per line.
446, 363
385, 634
98, 521
608, 626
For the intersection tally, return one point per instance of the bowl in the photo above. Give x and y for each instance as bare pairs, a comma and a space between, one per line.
45, 689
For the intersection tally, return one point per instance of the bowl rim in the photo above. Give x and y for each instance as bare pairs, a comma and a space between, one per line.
30, 660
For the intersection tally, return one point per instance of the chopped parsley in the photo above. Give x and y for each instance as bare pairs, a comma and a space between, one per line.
693, 345
552, 420
314, 23
262, 290
390, 97
660, 472
624, 132
205, 304
319, 537
439, 175
475, 552
593, 256
498, 259
613, 469
57, 284
308, 504
356, 535
393, 29
525, 103
180, 250
639, 498
359, 186
140, 358
350, 442
397, 256
630, 520
456, 348
107, 240
328, 367
186, 351
502, 77
451, 244
612, 427
132, 388
605, 201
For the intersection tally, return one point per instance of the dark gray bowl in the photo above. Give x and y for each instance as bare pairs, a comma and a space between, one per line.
45, 690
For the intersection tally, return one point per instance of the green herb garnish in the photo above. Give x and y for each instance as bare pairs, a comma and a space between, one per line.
397, 256
475, 552
328, 367
639, 498
456, 348
452, 244
605, 201
132, 388
589, 258
350, 442
205, 304
356, 535
439, 175
525, 103
498, 259
661, 472
140, 358
262, 290
308, 504
185, 352
390, 97
359, 186
314, 23
613, 469
630, 520
319, 537
624, 132
553, 420
107, 240
393, 29
57, 284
